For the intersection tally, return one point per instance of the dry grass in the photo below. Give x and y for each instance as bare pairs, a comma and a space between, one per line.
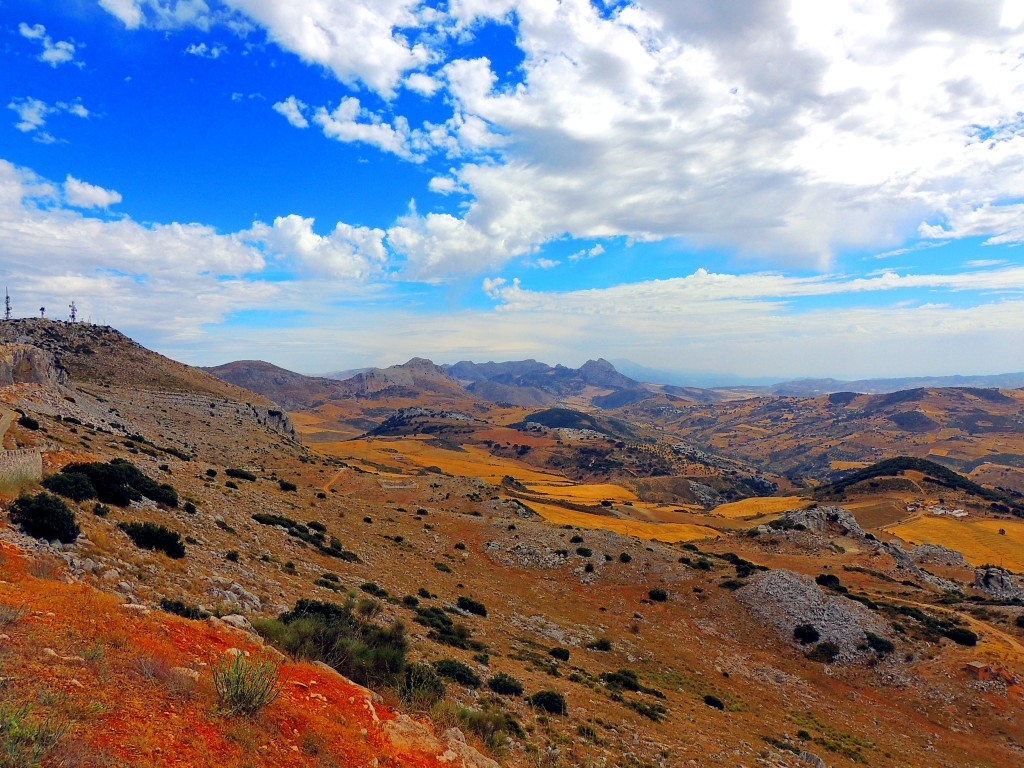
583, 494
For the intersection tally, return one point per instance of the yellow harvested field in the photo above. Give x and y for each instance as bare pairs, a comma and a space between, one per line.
979, 540
844, 465
583, 494
413, 454
761, 505
667, 532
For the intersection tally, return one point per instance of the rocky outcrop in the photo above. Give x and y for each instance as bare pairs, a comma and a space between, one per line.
998, 583
784, 600
409, 737
25, 364
936, 554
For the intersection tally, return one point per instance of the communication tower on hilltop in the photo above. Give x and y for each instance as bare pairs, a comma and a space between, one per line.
7, 304
74, 310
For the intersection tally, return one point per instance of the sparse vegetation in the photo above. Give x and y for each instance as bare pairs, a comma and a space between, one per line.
26, 739
179, 608
470, 605
239, 474
805, 634
658, 595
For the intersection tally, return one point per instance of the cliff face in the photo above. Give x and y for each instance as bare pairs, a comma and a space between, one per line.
25, 364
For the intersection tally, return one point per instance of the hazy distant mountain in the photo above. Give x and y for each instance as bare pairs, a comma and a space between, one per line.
815, 387
528, 382
690, 379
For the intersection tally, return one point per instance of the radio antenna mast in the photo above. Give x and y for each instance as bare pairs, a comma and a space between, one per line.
7, 304
74, 310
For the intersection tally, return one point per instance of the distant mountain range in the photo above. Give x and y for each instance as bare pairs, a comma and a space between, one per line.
529, 383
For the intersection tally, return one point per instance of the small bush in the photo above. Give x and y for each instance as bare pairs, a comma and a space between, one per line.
155, 537
584, 551
658, 595
238, 474
45, 516
232, 555
71, 485
457, 671
562, 654
825, 652
287, 486
1019, 621
827, 580
442, 568
505, 685
602, 644
100, 510
806, 634
372, 588
211, 473
961, 636
26, 740
28, 422
879, 644
625, 557
178, 608
231, 484
422, 687
577, 539
190, 508
470, 605
551, 702
246, 686
714, 701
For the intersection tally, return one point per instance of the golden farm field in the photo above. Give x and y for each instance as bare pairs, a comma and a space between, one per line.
979, 540
667, 532
413, 454
582, 494
764, 505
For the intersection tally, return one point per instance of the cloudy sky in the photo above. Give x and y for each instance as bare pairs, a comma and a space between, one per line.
760, 187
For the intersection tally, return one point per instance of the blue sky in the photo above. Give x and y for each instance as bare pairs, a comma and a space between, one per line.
770, 188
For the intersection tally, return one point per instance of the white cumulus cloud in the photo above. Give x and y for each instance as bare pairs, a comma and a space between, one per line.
53, 53
82, 194
292, 108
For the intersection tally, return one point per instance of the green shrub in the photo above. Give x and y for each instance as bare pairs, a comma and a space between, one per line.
287, 486
28, 422
119, 482
650, 710
1019, 621
602, 644
457, 671
232, 555
551, 702
155, 537
658, 594
70, 485
231, 484
625, 557
492, 726
806, 634
45, 516
25, 741
239, 474
364, 651
245, 686
100, 510
190, 508
584, 551
178, 608
505, 685
879, 644
825, 652
422, 686
714, 701
470, 605
442, 568
562, 654
961, 636
371, 588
